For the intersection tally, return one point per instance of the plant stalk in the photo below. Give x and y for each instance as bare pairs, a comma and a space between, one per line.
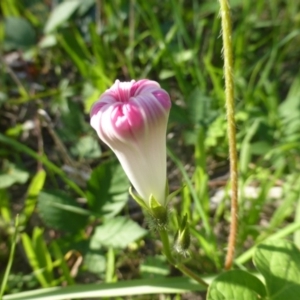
168, 253
231, 131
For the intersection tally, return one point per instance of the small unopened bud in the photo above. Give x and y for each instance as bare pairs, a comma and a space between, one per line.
182, 237
158, 214
131, 118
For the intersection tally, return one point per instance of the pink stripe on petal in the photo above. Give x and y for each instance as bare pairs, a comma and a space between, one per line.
127, 118
163, 98
97, 107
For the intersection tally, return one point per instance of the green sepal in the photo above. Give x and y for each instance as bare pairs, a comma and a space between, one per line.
173, 194
138, 199
158, 212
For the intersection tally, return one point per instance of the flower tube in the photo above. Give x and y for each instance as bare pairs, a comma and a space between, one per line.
131, 118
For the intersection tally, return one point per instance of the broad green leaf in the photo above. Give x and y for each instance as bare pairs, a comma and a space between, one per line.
61, 13
118, 232
236, 285
107, 189
11, 175
86, 147
61, 212
95, 262
279, 262
19, 34
85, 6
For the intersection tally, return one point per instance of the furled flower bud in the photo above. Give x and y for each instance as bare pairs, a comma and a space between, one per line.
131, 118
182, 238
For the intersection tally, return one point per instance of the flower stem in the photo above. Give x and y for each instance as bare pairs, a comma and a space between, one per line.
166, 246
168, 253
229, 93
185, 270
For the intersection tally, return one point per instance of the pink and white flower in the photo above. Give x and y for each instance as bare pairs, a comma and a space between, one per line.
131, 118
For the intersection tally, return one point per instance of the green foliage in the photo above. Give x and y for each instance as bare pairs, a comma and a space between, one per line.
19, 34
278, 263
72, 197
43, 262
12, 174
34, 189
86, 148
61, 212
95, 262
154, 267
235, 285
39, 257
116, 233
107, 189
61, 14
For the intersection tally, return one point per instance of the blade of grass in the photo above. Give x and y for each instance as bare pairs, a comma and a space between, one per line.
289, 229
189, 184
10, 259
22, 148
34, 188
33, 260
123, 288
62, 263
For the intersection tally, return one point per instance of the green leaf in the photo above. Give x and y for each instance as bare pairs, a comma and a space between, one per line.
61, 212
73, 43
19, 34
35, 187
5, 210
86, 147
38, 266
19, 147
279, 262
236, 285
11, 175
58, 255
199, 107
107, 189
138, 199
172, 285
61, 13
116, 233
95, 262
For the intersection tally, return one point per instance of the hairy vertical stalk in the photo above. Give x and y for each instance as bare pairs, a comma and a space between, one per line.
229, 93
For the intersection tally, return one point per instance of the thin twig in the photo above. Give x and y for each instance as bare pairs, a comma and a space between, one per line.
229, 93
